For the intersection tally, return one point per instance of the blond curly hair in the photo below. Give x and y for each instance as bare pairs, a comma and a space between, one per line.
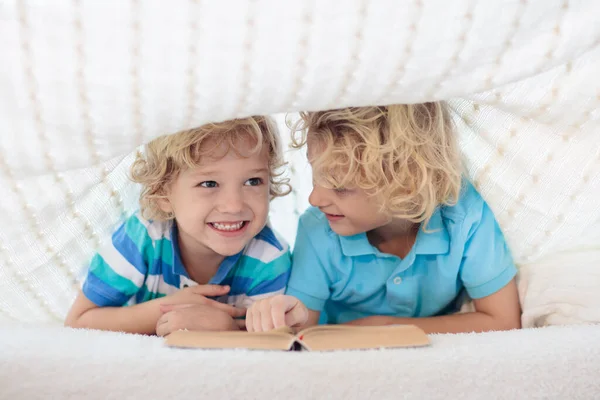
405, 156
166, 156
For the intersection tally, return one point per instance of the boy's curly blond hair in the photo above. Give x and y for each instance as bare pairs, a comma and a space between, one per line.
166, 156
405, 156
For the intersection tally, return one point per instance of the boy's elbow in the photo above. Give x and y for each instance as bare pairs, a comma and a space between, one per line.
516, 324
77, 320
502, 322
508, 324
73, 322
69, 324
78, 316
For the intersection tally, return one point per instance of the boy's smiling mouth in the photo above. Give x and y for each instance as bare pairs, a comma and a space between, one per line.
229, 226
230, 229
333, 217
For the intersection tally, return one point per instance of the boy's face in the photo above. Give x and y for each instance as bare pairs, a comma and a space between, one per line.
349, 210
221, 204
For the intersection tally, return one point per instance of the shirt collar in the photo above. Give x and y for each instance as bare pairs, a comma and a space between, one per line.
435, 241
226, 266
178, 268
356, 245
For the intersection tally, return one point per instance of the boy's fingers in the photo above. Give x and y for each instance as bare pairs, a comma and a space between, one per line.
238, 312
210, 290
266, 319
267, 322
235, 312
256, 320
161, 326
163, 319
229, 309
241, 323
296, 316
278, 315
160, 330
249, 320
163, 330
296, 313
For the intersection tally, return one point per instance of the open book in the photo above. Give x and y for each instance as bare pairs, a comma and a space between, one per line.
317, 338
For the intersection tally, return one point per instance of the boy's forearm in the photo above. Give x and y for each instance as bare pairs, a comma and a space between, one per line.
140, 318
456, 323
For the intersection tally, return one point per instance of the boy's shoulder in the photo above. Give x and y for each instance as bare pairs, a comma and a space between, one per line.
267, 245
152, 229
313, 217
469, 205
470, 213
314, 225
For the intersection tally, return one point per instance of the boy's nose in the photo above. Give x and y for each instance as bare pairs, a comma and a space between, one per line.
231, 202
318, 196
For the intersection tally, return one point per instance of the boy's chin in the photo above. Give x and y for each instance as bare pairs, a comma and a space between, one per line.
344, 231
228, 251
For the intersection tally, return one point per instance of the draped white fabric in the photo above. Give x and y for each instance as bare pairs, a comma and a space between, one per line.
84, 83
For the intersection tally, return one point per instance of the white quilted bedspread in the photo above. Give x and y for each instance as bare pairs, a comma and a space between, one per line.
552, 363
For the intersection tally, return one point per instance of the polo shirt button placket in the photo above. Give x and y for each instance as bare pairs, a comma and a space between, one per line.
397, 280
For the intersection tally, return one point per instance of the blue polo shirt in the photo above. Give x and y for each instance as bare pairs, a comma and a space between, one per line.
346, 278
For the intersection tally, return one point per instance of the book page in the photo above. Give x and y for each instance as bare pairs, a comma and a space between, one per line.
280, 339
344, 337
336, 328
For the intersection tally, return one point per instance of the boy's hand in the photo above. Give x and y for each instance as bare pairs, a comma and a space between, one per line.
196, 295
199, 317
276, 312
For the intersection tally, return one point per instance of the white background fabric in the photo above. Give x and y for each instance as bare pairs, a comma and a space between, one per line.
83, 83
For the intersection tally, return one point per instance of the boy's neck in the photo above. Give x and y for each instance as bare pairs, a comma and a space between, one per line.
200, 262
394, 229
396, 237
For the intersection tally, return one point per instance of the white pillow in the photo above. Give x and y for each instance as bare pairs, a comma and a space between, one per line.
561, 288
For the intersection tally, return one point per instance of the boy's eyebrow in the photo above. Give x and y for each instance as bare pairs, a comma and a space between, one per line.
217, 172
204, 173
257, 170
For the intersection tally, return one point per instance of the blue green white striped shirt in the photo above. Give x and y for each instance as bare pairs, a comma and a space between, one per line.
142, 262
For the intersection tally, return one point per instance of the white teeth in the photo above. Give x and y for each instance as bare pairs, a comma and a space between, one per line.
228, 226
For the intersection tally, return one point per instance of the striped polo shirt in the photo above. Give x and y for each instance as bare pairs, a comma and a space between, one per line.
142, 262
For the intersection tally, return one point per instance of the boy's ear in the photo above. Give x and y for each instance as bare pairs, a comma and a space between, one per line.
165, 205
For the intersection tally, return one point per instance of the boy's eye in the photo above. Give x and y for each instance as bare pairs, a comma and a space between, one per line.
208, 184
254, 182
340, 190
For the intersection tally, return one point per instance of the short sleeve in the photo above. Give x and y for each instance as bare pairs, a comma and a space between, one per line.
118, 270
487, 264
309, 281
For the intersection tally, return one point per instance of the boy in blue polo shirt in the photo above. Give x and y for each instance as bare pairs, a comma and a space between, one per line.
395, 235
200, 250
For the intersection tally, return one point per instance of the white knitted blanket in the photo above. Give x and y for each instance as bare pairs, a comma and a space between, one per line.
83, 83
